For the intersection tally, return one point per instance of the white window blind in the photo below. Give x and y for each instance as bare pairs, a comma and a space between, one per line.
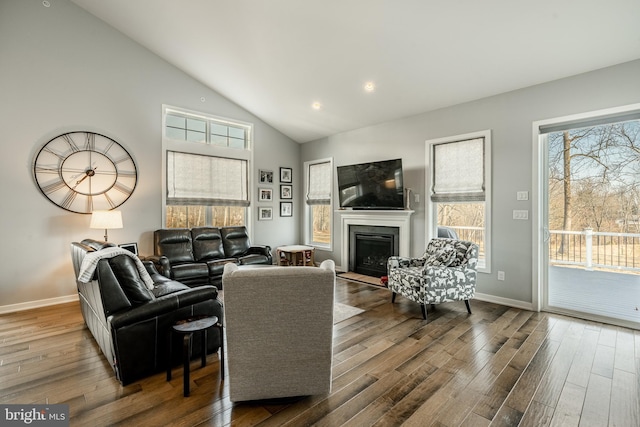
319, 184
194, 179
458, 171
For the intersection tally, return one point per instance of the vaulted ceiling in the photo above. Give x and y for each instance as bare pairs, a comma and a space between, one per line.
276, 58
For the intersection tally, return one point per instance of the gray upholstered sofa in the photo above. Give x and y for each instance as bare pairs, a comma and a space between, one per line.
279, 324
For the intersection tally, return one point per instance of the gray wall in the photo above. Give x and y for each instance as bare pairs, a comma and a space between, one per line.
510, 117
62, 69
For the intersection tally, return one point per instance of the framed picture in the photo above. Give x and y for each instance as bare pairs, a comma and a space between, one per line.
266, 177
286, 175
286, 209
265, 213
286, 192
265, 194
131, 247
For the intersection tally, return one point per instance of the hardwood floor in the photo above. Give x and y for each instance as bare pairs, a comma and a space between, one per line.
500, 366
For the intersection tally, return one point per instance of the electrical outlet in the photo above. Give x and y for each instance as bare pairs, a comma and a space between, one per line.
500, 275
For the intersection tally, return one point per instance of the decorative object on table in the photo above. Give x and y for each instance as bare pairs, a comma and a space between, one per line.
286, 191
265, 213
265, 194
265, 176
286, 209
286, 175
107, 220
131, 247
84, 171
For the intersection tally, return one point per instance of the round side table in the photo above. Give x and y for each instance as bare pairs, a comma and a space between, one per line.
296, 255
187, 329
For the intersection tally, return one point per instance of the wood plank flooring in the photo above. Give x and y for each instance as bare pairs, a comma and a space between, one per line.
500, 366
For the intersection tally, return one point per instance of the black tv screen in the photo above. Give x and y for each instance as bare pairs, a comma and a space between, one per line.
373, 185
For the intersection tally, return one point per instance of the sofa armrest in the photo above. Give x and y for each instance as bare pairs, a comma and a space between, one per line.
161, 263
165, 304
260, 250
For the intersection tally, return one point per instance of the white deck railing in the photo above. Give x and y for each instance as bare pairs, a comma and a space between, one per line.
619, 251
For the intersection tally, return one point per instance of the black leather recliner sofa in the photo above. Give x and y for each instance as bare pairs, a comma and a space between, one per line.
131, 323
197, 256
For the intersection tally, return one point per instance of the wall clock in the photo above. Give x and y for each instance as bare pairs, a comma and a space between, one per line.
85, 171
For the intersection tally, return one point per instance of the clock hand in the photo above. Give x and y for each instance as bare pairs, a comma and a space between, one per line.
88, 173
78, 174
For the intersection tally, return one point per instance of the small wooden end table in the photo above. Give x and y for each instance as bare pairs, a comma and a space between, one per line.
187, 329
296, 255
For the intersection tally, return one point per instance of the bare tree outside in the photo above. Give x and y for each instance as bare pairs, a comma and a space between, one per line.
594, 184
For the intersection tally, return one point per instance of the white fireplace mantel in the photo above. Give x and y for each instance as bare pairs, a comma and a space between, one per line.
391, 218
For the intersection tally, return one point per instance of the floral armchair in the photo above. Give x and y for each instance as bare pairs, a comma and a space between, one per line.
446, 272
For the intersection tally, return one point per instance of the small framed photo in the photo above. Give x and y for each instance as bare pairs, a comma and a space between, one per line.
286, 175
265, 213
286, 192
131, 247
266, 177
265, 194
286, 209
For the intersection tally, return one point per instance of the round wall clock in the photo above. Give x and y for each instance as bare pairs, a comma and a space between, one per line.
85, 171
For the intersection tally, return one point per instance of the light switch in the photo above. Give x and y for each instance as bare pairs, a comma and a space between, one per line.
520, 214
522, 195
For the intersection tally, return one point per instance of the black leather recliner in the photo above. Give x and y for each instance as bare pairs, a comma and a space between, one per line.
131, 323
197, 256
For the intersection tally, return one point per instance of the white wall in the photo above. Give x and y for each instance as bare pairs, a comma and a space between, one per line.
62, 69
510, 117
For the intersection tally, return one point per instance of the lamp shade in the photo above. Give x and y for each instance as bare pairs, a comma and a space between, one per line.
106, 219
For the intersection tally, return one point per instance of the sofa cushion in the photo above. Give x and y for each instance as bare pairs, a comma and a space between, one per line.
236, 241
216, 266
127, 275
207, 243
185, 272
441, 257
253, 259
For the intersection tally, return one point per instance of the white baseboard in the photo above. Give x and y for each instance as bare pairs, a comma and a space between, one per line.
504, 301
37, 304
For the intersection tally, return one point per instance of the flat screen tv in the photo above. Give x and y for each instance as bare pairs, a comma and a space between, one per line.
373, 185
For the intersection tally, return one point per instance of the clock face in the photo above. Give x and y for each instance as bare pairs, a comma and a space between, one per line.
85, 171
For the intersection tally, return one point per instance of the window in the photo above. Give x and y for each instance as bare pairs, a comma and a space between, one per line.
206, 170
319, 185
459, 182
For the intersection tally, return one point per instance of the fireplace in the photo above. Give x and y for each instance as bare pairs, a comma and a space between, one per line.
370, 247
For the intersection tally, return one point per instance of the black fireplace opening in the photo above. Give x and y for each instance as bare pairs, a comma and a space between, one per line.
370, 247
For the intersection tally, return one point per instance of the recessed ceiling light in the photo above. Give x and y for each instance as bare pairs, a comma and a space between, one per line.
45, 3
316, 105
369, 86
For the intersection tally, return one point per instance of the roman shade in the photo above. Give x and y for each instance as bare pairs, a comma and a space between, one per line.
319, 184
194, 179
458, 171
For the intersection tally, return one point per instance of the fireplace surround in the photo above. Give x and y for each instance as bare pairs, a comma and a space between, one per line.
400, 219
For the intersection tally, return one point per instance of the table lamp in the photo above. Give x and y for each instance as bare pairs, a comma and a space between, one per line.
106, 220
